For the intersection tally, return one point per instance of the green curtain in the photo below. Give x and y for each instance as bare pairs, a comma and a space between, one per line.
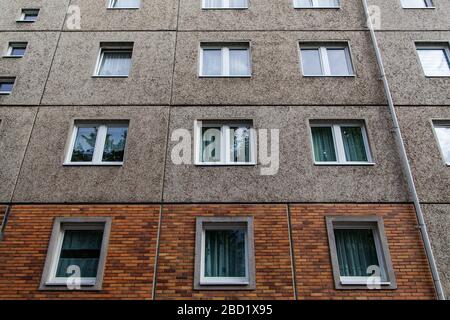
356, 251
80, 248
323, 144
225, 253
353, 144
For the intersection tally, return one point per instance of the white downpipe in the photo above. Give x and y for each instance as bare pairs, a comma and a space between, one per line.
405, 162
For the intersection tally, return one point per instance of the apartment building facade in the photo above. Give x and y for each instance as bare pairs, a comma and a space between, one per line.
198, 149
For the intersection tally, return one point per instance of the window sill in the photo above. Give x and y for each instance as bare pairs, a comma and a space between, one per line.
98, 76
12, 57
218, 283
81, 164
25, 21
224, 164
221, 76
129, 8
430, 76
217, 8
330, 76
315, 8
420, 8
5, 93
365, 282
344, 164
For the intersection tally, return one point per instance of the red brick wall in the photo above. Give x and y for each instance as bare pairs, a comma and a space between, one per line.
175, 275
312, 255
129, 263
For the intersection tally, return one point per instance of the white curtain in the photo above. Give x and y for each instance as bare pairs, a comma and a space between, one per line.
414, 3
115, 64
435, 62
238, 3
311, 62
443, 134
213, 3
212, 62
239, 62
126, 3
316, 3
337, 59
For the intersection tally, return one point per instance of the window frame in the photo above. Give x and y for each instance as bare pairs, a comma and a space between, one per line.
225, 142
13, 45
99, 143
429, 4
204, 7
314, 5
49, 281
225, 58
110, 5
224, 283
433, 46
323, 56
339, 144
113, 47
374, 223
7, 80
25, 11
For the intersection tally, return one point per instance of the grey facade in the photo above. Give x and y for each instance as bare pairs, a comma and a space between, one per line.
55, 87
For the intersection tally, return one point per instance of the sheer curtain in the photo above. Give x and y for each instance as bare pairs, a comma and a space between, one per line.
80, 248
435, 62
337, 59
212, 62
126, 3
225, 253
323, 144
115, 63
311, 63
353, 144
213, 3
238, 3
240, 144
239, 62
356, 251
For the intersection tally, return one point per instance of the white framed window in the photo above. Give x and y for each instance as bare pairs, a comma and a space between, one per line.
124, 4
328, 60
442, 130
78, 247
224, 253
359, 252
340, 143
114, 60
6, 85
435, 59
417, 4
97, 143
225, 4
28, 15
316, 3
225, 143
16, 49
230, 60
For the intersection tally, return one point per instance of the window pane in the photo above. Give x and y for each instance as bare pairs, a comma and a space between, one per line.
80, 248
238, 3
311, 62
115, 63
30, 17
126, 3
211, 144
116, 138
213, 3
328, 3
6, 86
17, 51
83, 149
240, 144
356, 251
212, 62
435, 62
414, 3
323, 144
225, 253
443, 134
303, 3
353, 144
337, 59
239, 64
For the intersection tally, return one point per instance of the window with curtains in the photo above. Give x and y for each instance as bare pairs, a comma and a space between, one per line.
225, 142
29, 15
16, 49
340, 143
316, 3
98, 143
6, 85
408, 4
77, 249
326, 60
224, 4
114, 60
359, 251
124, 4
225, 255
220, 60
435, 59
442, 130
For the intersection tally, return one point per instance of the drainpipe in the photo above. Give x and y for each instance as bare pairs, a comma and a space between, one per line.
404, 161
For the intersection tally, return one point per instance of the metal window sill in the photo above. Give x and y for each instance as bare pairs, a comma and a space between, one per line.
69, 164
118, 76
128, 8
5, 93
225, 164
234, 8
330, 76
12, 57
221, 76
25, 21
302, 8
344, 164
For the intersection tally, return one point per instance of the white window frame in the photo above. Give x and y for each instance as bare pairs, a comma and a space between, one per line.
99, 144
315, 5
7, 80
24, 12
225, 55
112, 48
225, 143
225, 5
324, 61
112, 2
339, 143
12, 46
425, 46
429, 4
223, 280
